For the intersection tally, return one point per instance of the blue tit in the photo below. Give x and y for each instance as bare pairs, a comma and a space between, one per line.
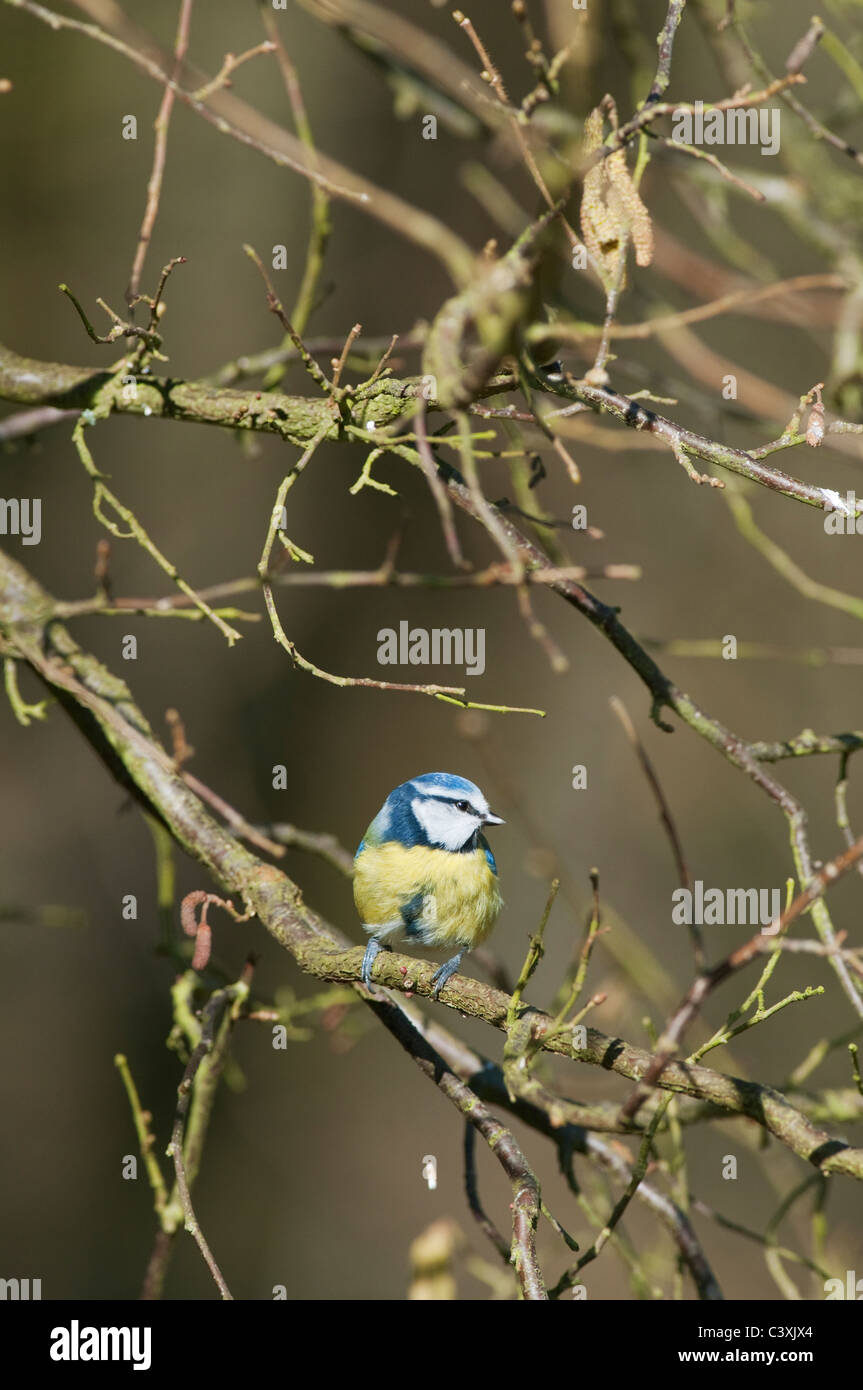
424, 870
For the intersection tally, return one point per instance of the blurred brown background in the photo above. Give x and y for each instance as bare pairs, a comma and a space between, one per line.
317, 1162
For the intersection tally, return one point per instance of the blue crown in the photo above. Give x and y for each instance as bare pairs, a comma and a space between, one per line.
430, 782
396, 820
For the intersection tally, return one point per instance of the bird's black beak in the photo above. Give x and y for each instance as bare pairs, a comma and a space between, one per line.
492, 819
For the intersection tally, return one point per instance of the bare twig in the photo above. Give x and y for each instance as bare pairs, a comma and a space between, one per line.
664, 814
223, 1005
160, 149
742, 956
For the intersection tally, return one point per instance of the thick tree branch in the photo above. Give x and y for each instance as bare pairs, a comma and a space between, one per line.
373, 407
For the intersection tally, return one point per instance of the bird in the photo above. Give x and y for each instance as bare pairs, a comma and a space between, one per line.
424, 871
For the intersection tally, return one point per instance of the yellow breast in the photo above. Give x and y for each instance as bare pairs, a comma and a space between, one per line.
456, 896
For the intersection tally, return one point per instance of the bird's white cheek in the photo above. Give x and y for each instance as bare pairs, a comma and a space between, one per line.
442, 824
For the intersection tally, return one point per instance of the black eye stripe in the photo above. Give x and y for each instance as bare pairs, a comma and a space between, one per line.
460, 804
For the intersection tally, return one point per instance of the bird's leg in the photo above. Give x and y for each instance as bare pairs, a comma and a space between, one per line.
447, 970
372, 951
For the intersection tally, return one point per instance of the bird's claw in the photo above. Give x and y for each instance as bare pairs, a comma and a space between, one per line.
445, 973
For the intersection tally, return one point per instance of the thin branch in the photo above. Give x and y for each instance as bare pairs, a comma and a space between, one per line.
665, 45
160, 150
323, 844
485, 1224
664, 814
231, 116
223, 1005
437, 489
742, 956
230, 63
742, 300
146, 1139
501, 1141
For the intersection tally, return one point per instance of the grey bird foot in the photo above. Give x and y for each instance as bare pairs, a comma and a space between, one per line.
445, 973
372, 952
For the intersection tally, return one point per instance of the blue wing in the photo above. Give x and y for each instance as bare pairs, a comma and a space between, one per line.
412, 914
